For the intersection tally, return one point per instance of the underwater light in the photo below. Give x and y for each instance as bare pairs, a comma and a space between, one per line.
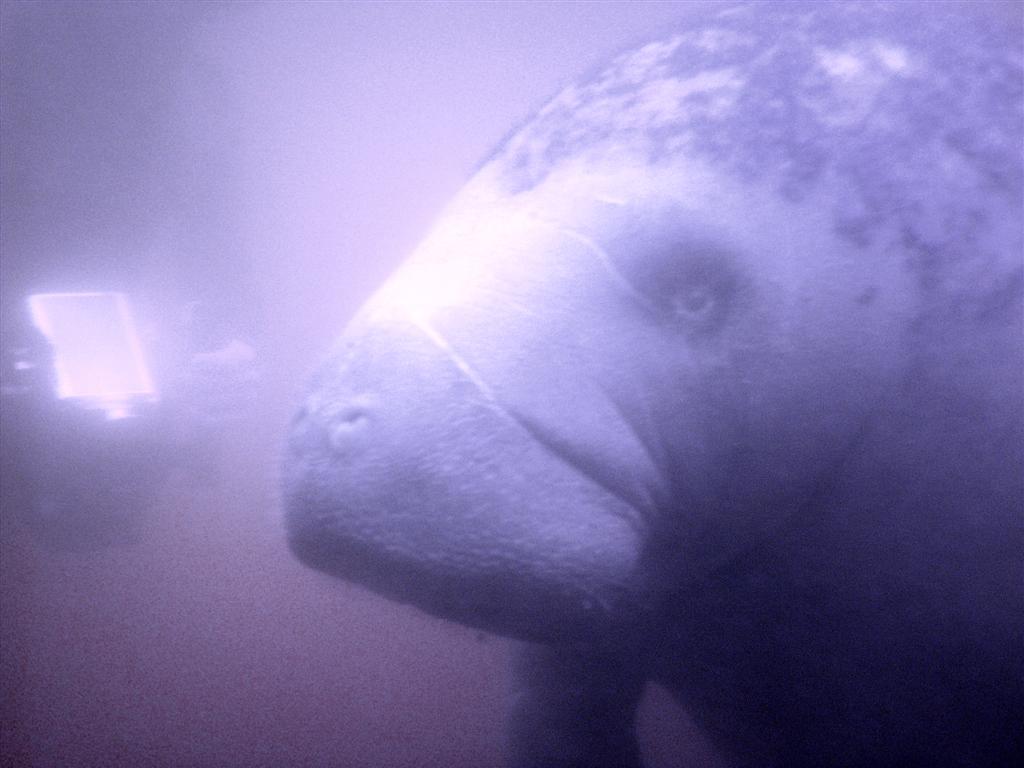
97, 354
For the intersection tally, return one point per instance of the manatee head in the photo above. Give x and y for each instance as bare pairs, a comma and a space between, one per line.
660, 325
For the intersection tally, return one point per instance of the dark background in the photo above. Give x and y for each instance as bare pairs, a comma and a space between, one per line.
277, 159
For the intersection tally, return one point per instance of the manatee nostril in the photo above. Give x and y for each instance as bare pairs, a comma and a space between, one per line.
346, 423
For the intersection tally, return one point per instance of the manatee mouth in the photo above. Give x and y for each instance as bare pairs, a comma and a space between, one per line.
479, 600
586, 458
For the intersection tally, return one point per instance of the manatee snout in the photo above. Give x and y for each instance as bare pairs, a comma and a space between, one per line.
410, 482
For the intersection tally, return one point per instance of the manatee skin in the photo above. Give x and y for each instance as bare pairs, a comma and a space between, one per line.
712, 375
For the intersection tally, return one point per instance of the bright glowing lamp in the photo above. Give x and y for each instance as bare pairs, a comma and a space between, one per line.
97, 353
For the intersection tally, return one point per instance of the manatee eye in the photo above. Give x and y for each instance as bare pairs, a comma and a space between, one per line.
694, 300
674, 268
690, 286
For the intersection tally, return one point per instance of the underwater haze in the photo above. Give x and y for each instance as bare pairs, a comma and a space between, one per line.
273, 162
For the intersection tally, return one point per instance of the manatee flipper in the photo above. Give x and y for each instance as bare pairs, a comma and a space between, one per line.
574, 707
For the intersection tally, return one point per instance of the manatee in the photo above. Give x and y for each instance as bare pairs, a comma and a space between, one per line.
712, 376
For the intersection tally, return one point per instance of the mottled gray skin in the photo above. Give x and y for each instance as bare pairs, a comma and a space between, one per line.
713, 376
